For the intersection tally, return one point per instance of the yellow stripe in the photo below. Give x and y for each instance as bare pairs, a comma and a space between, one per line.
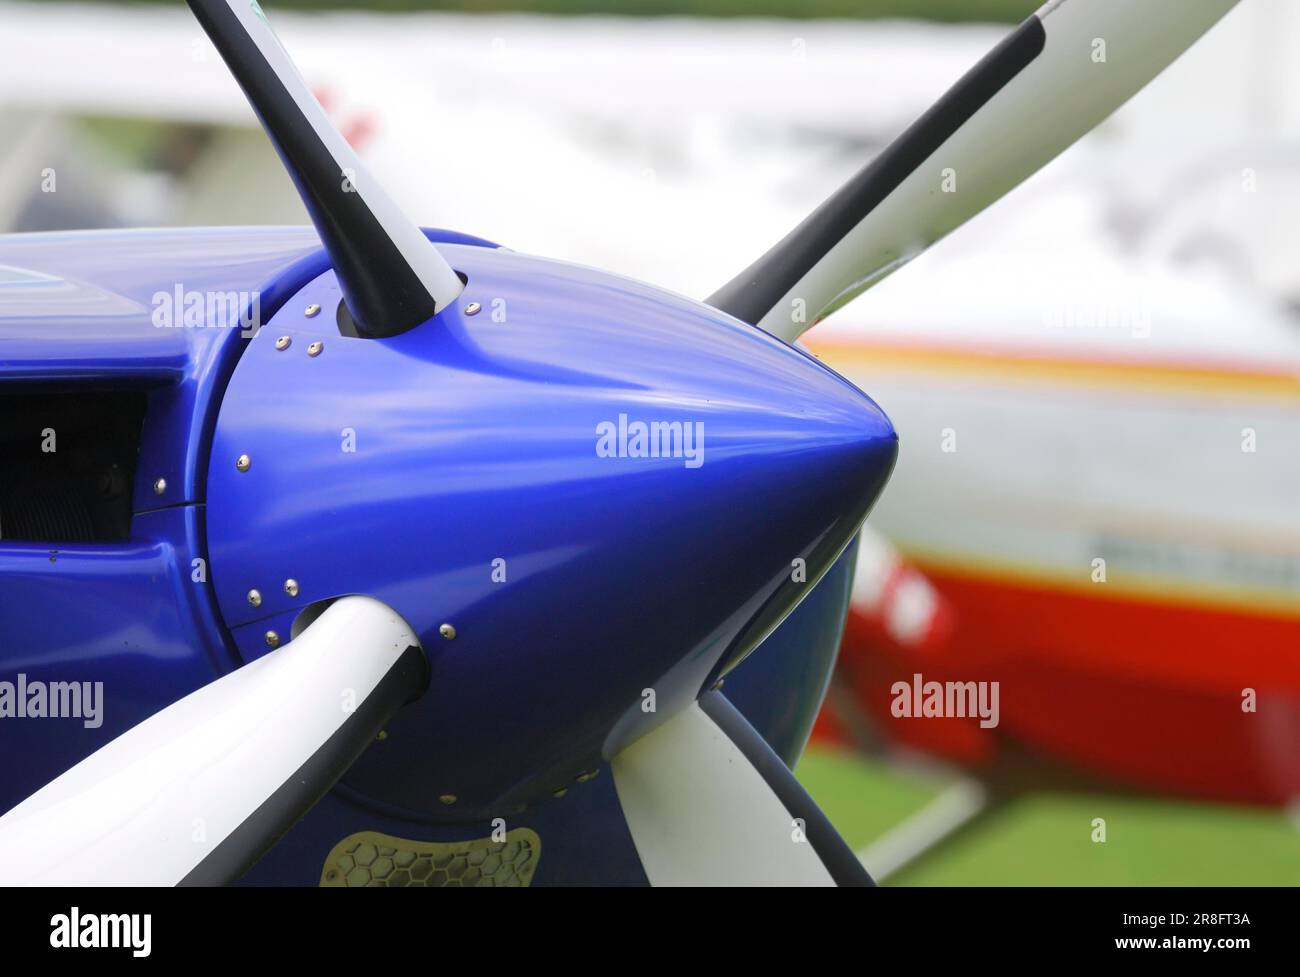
1166, 377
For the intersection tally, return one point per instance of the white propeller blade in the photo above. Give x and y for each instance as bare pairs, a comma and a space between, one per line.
708, 803
393, 278
1056, 77
199, 791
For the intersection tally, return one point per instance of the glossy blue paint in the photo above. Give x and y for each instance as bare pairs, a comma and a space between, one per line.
84, 314
584, 838
127, 614
403, 468
76, 312
475, 440
781, 686
78, 308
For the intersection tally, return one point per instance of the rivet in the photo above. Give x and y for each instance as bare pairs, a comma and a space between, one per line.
588, 775
447, 631
255, 598
160, 486
243, 463
315, 348
383, 735
448, 799
283, 342
473, 308
291, 587
272, 639
311, 311
559, 791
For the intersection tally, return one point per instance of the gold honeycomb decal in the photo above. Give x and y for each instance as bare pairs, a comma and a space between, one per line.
369, 858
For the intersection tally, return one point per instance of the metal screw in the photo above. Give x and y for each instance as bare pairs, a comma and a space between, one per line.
447, 631
383, 735
272, 639
283, 342
160, 486
473, 308
243, 463
255, 598
448, 799
291, 587
315, 348
312, 310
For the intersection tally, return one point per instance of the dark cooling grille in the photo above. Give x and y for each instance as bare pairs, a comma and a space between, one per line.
67, 461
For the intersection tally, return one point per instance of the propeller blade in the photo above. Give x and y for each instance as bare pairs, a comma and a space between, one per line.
392, 276
1051, 81
199, 791
708, 803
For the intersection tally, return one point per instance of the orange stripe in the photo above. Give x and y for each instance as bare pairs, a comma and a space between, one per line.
1042, 367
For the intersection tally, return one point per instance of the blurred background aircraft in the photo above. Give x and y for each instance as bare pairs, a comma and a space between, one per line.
1106, 367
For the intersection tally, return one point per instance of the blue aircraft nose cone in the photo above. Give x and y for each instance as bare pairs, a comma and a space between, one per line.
608, 495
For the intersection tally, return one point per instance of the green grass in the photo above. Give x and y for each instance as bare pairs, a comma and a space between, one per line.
864, 799
1046, 839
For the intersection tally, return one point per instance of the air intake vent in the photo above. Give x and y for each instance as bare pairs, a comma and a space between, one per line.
66, 465
373, 859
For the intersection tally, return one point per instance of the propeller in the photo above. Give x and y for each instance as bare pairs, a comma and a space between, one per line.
707, 800
198, 792
392, 276
1052, 80
703, 797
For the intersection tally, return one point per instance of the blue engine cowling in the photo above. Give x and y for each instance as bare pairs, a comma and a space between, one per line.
472, 443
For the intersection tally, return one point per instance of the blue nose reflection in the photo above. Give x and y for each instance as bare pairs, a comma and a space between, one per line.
611, 494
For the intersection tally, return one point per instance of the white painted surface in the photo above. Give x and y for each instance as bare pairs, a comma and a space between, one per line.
701, 815
423, 257
153, 803
1058, 97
